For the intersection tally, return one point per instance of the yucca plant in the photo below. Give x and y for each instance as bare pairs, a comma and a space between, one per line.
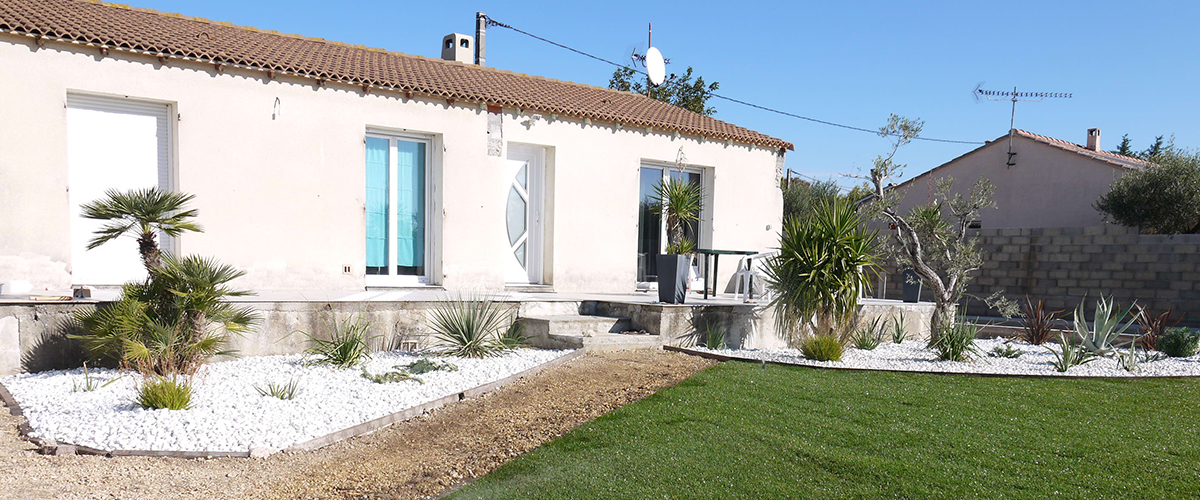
1106, 326
1154, 326
1038, 325
956, 341
680, 202
142, 213
867, 335
285, 392
821, 348
1069, 354
513, 336
714, 337
469, 326
348, 344
822, 269
898, 333
165, 393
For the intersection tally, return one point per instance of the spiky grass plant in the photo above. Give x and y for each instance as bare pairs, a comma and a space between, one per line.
1038, 325
956, 341
349, 343
169, 393
285, 392
1106, 326
469, 326
822, 269
513, 336
1179, 342
1069, 353
1154, 326
821, 348
868, 335
898, 333
714, 337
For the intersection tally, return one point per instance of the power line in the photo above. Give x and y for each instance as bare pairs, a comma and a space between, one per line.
493, 22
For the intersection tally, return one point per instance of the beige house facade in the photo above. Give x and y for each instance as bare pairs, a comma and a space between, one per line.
324, 166
1045, 182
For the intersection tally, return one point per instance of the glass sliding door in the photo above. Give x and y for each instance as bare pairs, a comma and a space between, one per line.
396, 202
652, 231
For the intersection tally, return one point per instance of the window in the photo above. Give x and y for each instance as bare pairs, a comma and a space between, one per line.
652, 231
397, 195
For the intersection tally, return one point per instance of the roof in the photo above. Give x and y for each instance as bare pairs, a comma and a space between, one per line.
1111, 159
119, 27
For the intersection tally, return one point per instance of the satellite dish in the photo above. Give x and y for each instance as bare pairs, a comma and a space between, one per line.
656, 67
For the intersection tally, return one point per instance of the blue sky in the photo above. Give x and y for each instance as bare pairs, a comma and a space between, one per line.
1132, 66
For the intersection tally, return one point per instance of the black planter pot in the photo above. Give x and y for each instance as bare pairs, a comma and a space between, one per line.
912, 286
673, 278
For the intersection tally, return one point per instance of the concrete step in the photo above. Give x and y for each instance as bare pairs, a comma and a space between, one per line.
594, 333
549, 308
574, 324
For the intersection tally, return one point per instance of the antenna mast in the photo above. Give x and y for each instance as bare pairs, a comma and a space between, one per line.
1014, 96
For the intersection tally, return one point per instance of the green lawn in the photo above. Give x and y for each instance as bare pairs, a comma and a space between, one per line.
742, 430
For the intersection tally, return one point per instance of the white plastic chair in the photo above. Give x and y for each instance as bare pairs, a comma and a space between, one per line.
750, 270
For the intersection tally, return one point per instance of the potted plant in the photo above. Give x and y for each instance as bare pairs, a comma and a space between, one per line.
679, 202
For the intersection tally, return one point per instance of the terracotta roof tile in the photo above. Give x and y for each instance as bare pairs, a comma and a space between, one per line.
1105, 156
173, 35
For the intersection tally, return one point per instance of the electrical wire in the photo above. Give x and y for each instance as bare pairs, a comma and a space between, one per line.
493, 22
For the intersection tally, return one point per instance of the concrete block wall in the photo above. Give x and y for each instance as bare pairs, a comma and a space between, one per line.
1062, 266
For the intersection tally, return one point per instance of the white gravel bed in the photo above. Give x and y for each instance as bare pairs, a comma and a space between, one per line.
228, 413
912, 356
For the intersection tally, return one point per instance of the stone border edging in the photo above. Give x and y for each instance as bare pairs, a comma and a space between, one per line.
51, 447
723, 357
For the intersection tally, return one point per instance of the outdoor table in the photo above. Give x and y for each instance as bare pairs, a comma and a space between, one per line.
716, 254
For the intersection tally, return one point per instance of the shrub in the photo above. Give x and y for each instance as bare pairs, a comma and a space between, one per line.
821, 348
1154, 326
898, 333
1005, 351
821, 270
426, 365
868, 335
956, 341
1038, 325
165, 393
714, 337
1163, 198
286, 391
1106, 326
1179, 342
468, 327
348, 344
1069, 354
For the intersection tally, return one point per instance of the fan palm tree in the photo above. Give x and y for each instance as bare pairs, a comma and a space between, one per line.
142, 213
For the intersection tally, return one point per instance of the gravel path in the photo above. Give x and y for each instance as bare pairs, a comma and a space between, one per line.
413, 459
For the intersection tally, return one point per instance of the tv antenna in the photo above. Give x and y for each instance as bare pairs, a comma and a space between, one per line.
1014, 96
652, 60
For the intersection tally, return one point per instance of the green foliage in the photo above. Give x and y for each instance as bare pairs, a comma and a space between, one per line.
165, 393
391, 377
171, 323
469, 327
89, 384
868, 335
1163, 198
1130, 359
1179, 342
513, 337
821, 348
142, 213
802, 198
1106, 326
680, 202
676, 90
1038, 324
1154, 326
285, 392
1125, 148
1069, 354
1005, 351
956, 342
348, 344
897, 328
714, 337
426, 365
821, 270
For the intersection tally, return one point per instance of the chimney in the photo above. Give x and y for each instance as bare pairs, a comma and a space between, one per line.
458, 47
1093, 142
481, 22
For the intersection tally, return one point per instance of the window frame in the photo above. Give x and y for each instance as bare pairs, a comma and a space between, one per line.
393, 280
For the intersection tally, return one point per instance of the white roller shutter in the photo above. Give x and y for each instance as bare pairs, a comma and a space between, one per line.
112, 143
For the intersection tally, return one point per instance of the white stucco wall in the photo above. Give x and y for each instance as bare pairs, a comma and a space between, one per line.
283, 197
1048, 186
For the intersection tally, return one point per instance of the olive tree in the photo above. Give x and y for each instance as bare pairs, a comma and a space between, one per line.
1163, 198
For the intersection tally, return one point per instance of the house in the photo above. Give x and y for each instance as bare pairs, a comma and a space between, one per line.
319, 165
1039, 181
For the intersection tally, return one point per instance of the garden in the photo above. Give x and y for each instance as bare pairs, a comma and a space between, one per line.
152, 382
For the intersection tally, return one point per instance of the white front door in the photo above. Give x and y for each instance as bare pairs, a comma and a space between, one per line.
525, 177
112, 143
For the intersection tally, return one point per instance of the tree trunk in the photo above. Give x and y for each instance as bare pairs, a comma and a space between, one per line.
151, 255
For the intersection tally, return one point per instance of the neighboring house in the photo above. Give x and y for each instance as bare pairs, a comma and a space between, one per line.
1046, 182
322, 165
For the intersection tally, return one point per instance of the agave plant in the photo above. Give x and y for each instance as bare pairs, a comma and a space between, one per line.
1106, 326
143, 213
822, 269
